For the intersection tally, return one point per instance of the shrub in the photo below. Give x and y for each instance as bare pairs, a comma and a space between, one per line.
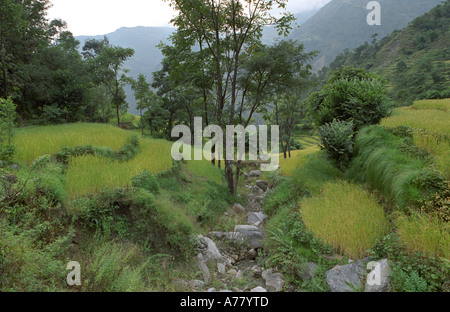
24, 267
351, 94
7, 153
146, 181
7, 119
114, 268
409, 270
337, 140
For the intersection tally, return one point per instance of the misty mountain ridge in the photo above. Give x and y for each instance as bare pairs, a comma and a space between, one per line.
339, 25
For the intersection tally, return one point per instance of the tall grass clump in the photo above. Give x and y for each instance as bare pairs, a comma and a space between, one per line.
346, 217
425, 233
315, 172
114, 268
380, 162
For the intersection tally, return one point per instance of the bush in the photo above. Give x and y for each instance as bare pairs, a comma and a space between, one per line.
146, 181
7, 119
7, 153
351, 94
410, 270
337, 140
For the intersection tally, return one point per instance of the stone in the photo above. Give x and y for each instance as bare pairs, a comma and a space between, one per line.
212, 290
211, 252
252, 235
232, 272
196, 284
384, 279
262, 185
255, 217
257, 271
258, 289
341, 277
252, 254
274, 281
308, 272
255, 173
205, 271
239, 208
14, 167
221, 268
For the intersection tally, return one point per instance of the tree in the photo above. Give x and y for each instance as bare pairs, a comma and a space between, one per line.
107, 68
351, 94
7, 120
227, 29
144, 96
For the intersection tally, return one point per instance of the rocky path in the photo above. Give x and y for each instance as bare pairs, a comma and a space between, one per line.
232, 261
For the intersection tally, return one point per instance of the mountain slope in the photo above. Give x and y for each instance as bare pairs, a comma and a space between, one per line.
342, 24
414, 60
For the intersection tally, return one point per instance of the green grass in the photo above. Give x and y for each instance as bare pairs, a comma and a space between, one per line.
346, 217
425, 233
433, 115
443, 104
33, 142
299, 158
89, 174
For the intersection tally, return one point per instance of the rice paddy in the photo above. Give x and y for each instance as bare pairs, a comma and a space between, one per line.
345, 216
433, 115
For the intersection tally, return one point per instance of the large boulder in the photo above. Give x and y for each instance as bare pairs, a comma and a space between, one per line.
341, 277
274, 281
252, 235
378, 279
209, 250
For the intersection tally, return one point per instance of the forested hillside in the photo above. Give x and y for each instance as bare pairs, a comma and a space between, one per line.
342, 24
414, 60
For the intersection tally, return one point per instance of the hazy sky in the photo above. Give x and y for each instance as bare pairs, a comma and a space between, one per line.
99, 17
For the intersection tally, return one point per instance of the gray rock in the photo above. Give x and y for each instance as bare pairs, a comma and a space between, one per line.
257, 271
258, 289
257, 190
211, 253
196, 284
255, 173
252, 235
252, 254
274, 281
205, 271
385, 282
212, 290
221, 268
340, 277
308, 272
255, 217
262, 185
